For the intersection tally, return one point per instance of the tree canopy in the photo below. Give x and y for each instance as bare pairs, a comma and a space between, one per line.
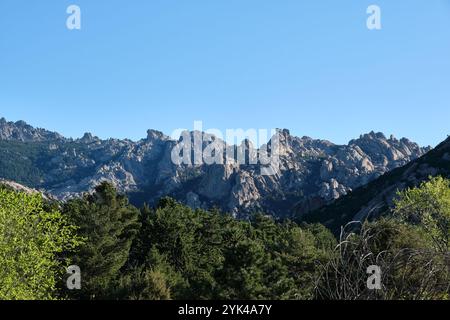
171, 251
32, 238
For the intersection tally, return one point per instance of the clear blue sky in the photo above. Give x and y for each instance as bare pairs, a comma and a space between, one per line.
310, 66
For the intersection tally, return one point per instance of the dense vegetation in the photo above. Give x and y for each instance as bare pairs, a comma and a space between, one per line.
32, 239
28, 163
174, 252
411, 248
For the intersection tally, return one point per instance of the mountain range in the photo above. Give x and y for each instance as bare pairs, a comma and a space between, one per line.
312, 173
376, 198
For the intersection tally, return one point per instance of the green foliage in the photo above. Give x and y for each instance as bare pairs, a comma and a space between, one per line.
31, 239
410, 266
143, 284
428, 206
411, 249
109, 224
29, 163
185, 243
18, 162
175, 252
208, 255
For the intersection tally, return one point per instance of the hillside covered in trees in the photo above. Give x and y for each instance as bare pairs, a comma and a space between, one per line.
171, 251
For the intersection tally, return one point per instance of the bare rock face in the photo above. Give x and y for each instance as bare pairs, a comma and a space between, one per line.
332, 190
310, 172
377, 197
21, 131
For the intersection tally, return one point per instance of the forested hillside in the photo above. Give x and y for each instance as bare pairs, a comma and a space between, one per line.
174, 252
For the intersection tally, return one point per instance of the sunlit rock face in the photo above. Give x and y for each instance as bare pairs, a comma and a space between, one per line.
310, 172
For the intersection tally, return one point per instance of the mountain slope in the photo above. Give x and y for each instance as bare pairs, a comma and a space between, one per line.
375, 198
311, 172
20, 188
21, 131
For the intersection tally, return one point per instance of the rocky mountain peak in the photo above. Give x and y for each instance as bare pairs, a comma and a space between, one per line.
309, 171
153, 135
88, 138
376, 197
22, 131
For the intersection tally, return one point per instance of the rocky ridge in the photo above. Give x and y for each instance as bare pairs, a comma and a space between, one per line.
311, 172
376, 198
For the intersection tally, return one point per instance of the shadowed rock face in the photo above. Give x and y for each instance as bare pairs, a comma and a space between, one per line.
311, 172
376, 198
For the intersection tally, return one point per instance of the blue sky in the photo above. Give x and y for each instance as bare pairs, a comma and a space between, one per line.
310, 66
